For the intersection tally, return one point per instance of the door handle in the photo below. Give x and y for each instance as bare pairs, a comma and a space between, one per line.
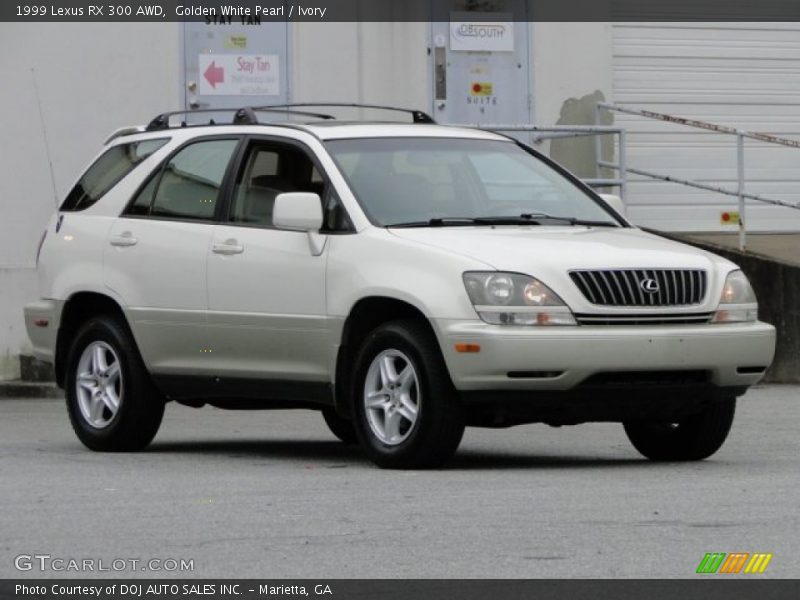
123, 240
227, 248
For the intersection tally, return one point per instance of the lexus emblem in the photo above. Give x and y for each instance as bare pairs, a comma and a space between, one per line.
649, 285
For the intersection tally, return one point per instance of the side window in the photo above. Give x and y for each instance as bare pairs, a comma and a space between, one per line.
188, 186
269, 169
108, 170
141, 206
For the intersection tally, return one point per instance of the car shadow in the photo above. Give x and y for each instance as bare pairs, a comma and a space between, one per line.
280, 449
326, 452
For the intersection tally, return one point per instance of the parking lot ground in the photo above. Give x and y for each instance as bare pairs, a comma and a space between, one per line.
272, 494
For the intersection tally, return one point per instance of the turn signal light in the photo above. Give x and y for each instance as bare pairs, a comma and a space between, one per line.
468, 348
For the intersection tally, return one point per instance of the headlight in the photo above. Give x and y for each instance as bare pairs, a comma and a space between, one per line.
514, 299
737, 303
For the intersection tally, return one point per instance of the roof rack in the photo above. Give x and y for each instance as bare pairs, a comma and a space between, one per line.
247, 115
417, 115
242, 116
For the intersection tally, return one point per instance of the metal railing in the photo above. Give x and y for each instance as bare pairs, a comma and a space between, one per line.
624, 169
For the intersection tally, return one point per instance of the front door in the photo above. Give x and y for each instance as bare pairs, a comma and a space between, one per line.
479, 63
266, 289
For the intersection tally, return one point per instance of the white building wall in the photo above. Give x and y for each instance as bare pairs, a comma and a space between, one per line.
71, 84
374, 63
572, 70
570, 61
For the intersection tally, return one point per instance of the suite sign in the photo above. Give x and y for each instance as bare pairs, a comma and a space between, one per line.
496, 35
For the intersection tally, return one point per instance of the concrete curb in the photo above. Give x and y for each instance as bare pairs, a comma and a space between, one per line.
24, 389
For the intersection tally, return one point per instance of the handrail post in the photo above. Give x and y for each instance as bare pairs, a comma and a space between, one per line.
623, 166
598, 144
740, 174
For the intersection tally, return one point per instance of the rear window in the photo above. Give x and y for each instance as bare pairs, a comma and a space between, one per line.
108, 170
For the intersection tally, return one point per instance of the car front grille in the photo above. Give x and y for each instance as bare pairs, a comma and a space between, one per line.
638, 319
642, 287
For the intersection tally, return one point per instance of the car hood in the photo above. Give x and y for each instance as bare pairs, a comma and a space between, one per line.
527, 249
549, 253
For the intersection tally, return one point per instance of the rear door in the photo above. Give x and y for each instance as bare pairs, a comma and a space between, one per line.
155, 255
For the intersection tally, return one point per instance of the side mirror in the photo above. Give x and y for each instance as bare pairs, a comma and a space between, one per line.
615, 202
299, 211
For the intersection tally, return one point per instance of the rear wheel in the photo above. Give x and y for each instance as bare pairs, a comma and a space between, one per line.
407, 413
340, 427
111, 401
692, 438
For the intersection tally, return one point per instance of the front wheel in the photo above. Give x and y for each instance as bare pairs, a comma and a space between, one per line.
692, 438
407, 413
112, 403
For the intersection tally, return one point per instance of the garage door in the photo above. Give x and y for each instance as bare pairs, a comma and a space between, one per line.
744, 75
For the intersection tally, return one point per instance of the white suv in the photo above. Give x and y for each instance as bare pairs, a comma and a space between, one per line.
406, 279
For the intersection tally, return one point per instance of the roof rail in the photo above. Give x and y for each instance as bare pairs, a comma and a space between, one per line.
302, 113
242, 116
417, 115
123, 131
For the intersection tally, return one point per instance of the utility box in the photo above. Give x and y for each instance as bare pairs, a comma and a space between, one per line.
479, 63
234, 62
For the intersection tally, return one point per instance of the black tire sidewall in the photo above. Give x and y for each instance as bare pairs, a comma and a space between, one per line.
436, 394
137, 405
697, 437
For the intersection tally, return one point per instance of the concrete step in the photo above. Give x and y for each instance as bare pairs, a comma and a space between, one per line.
28, 389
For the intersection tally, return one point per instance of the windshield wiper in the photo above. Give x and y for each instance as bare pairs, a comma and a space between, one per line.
570, 220
523, 219
463, 221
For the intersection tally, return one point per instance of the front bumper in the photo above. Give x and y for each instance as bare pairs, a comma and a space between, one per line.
561, 358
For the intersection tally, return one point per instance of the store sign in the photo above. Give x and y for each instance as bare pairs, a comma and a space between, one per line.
496, 35
239, 74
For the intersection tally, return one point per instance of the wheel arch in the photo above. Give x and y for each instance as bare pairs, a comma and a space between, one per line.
365, 315
78, 308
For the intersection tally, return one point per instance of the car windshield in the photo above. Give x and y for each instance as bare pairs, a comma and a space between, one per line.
417, 182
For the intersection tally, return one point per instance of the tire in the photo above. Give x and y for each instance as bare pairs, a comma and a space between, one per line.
693, 438
341, 428
399, 368
104, 368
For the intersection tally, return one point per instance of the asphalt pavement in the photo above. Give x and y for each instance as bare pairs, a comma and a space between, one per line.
273, 494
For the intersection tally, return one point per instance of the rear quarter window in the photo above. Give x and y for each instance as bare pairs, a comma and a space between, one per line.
108, 170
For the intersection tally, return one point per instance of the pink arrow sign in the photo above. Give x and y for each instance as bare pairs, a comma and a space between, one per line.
214, 75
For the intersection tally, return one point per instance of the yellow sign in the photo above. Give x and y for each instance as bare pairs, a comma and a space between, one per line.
236, 42
729, 217
480, 88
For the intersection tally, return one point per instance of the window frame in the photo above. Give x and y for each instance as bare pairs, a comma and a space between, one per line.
242, 155
158, 173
